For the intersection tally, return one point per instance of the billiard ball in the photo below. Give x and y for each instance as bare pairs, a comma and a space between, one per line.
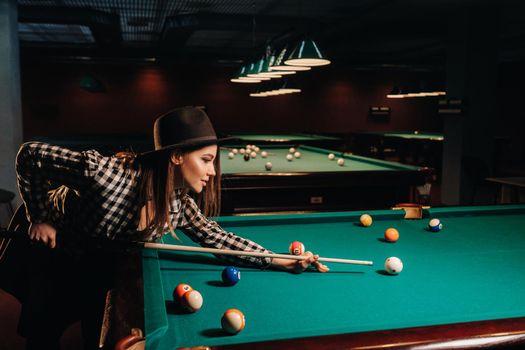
291, 150
366, 220
180, 290
192, 300
391, 235
341, 162
246, 157
242, 150
233, 321
296, 248
435, 225
289, 157
253, 154
235, 151
231, 275
264, 154
331, 156
268, 166
231, 155
393, 265
257, 149
297, 154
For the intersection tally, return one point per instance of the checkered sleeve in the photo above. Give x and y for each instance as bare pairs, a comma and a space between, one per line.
209, 234
40, 167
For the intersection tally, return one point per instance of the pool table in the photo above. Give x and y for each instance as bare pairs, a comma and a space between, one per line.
463, 286
416, 135
415, 147
294, 138
313, 182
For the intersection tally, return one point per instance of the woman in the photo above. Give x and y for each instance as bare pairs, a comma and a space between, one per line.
73, 195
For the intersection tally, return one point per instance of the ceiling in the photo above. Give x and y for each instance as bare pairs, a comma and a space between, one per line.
357, 33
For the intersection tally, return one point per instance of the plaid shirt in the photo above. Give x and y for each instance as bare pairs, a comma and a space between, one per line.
107, 200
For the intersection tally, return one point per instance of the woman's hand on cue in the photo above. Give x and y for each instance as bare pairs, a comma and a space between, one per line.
43, 233
298, 266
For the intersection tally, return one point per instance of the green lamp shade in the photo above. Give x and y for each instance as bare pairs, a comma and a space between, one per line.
259, 70
279, 65
306, 53
242, 78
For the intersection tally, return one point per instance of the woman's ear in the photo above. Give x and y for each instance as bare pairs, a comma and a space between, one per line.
176, 158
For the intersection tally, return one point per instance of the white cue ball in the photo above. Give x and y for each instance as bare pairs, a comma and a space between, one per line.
192, 300
291, 150
393, 265
242, 150
341, 162
268, 166
231, 155
289, 157
264, 154
297, 154
235, 151
331, 156
253, 154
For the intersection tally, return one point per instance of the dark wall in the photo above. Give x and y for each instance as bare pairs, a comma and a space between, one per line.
334, 100
510, 120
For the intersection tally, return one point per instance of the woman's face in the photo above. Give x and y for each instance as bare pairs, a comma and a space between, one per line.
197, 167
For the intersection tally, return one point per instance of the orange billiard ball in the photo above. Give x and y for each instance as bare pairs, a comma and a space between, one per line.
296, 248
233, 321
180, 290
391, 235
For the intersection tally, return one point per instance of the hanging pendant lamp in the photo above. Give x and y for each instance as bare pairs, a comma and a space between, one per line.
242, 78
279, 65
306, 53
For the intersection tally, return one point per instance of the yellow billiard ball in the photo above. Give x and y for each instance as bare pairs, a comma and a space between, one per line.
366, 220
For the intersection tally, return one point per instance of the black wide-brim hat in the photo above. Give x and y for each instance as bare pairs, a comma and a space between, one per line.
184, 128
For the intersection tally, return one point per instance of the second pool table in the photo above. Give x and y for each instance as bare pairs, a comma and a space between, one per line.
460, 288
313, 182
289, 139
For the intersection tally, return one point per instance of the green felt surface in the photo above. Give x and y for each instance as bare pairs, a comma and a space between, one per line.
418, 136
471, 270
312, 159
282, 137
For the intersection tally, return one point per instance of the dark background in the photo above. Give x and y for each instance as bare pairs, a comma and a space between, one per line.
149, 56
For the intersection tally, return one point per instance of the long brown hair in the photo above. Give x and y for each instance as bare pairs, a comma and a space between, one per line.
157, 186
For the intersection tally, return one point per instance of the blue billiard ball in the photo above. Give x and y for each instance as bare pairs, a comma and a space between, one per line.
231, 275
435, 225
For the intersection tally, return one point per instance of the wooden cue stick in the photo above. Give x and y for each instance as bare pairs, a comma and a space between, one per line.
106, 319
162, 246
